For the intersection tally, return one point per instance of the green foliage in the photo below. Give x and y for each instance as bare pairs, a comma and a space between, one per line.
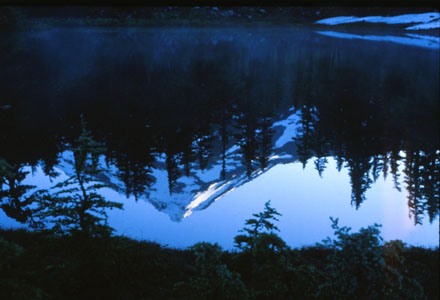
75, 204
259, 224
360, 267
422, 264
41, 265
55, 267
212, 279
13, 194
12, 284
269, 267
399, 284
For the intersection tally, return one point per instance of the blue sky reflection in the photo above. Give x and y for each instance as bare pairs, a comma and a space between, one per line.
305, 200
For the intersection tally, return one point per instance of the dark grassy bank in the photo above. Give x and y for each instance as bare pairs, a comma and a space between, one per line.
38, 265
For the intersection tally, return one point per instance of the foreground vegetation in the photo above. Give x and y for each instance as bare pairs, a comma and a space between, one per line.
73, 254
44, 265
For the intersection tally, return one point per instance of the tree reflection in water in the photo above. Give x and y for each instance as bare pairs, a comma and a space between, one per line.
180, 107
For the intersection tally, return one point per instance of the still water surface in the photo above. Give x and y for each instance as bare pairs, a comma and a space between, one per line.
202, 126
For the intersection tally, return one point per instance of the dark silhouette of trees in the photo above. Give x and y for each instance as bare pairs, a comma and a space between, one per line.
136, 175
13, 199
172, 171
247, 142
75, 204
264, 141
261, 224
422, 183
361, 267
190, 104
305, 134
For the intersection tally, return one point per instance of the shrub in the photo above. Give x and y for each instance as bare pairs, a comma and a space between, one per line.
13, 283
269, 267
361, 268
212, 279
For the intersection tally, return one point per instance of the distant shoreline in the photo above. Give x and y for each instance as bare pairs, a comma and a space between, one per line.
23, 18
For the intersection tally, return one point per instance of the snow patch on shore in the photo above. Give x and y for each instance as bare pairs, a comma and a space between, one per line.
425, 20
430, 25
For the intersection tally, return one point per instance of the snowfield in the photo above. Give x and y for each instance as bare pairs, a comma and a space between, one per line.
421, 21
202, 187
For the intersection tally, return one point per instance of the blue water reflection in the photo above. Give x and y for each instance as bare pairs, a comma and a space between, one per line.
201, 126
304, 198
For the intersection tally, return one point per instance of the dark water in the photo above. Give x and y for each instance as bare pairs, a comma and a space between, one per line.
200, 127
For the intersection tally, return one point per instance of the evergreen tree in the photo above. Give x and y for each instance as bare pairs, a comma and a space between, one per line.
247, 141
258, 226
136, 177
305, 139
320, 163
264, 142
75, 205
394, 164
224, 142
431, 182
187, 159
203, 145
358, 169
13, 199
413, 185
172, 170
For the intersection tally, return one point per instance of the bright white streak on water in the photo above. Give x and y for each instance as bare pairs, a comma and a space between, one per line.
414, 40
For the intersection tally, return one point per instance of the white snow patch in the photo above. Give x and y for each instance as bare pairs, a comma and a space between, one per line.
224, 194
410, 41
338, 20
232, 149
285, 156
290, 129
189, 184
430, 25
401, 19
67, 163
161, 158
187, 180
210, 174
201, 197
231, 166
292, 119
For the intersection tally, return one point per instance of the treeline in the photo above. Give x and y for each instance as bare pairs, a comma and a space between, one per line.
41, 265
190, 13
188, 105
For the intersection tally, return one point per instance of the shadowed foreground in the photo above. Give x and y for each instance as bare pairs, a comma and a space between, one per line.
42, 265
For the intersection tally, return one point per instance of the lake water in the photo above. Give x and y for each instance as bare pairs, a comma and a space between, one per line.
201, 126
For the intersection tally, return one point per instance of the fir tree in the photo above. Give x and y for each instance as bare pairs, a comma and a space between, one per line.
257, 227
76, 205
13, 199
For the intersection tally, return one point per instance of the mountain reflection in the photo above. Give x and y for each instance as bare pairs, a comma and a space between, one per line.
187, 115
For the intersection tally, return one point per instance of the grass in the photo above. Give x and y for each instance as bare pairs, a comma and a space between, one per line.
40, 265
